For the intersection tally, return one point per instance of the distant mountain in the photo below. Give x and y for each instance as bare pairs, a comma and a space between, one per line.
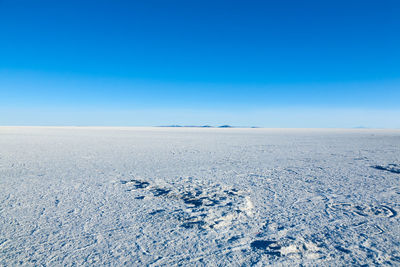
225, 126
206, 126
187, 126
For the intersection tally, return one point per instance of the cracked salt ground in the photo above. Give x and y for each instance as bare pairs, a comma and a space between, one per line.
363, 210
195, 197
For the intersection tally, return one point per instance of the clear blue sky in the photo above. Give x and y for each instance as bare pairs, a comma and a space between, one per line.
265, 63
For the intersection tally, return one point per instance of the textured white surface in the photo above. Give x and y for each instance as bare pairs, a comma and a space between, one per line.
165, 196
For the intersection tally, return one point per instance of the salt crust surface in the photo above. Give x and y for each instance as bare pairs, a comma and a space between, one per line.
188, 196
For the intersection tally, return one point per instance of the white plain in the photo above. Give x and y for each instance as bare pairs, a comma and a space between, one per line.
190, 196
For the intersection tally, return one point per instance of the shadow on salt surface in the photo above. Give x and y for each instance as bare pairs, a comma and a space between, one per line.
393, 168
269, 247
136, 184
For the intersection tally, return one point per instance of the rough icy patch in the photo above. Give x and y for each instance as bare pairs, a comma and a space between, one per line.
193, 197
193, 204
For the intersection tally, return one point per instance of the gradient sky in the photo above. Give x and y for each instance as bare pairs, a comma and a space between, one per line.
137, 63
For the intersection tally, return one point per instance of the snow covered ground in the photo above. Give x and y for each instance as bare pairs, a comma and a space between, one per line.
190, 196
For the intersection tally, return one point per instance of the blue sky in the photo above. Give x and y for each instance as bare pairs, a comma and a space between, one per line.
264, 63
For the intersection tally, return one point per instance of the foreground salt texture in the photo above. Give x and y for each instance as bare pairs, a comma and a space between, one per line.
180, 196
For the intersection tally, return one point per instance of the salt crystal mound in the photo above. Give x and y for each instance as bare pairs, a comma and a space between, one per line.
199, 196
